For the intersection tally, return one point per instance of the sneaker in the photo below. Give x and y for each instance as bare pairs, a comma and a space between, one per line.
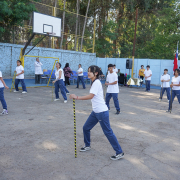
65, 101
56, 99
83, 149
4, 112
168, 101
24, 92
118, 112
68, 93
118, 156
16, 91
168, 111
160, 99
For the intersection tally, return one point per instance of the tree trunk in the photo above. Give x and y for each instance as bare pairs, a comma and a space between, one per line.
63, 24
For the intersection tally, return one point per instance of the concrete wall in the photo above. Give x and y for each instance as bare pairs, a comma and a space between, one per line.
9, 54
156, 65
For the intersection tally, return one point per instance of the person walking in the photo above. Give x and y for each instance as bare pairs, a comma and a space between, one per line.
113, 89
80, 77
20, 77
165, 78
175, 85
67, 73
38, 71
148, 74
99, 114
141, 74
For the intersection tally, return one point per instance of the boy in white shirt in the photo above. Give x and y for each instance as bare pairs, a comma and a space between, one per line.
113, 89
148, 74
3, 102
115, 69
38, 71
165, 78
175, 85
80, 77
20, 77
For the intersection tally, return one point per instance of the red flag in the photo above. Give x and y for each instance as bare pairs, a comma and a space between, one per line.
176, 60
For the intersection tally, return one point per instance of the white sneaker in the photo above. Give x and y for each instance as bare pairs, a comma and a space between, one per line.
16, 91
65, 101
68, 93
24, 92
4, 112
168, 100
56, 99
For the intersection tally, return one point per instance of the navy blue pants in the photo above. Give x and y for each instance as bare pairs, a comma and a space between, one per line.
115, 98
22, 83
167, 91
80, 78
174, 93
148, 85
3, 102
103, 119
60, 85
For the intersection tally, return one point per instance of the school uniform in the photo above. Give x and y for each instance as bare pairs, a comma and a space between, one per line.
148, 80
165, 86
20, 78
141, 74
80, 78
175, 90
112, 90
38, 72
59, 84
99, 114
115, 70
3, 102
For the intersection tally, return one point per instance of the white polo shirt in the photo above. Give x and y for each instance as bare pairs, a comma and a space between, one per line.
80, 70
112, 77
148, 73
176, 80
165, 77
1, 84
57, 74
98, 103
19, 69
115, 70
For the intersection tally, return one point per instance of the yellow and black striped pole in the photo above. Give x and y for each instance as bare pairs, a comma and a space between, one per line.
74, 128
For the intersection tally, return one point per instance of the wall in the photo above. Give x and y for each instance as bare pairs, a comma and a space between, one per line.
9, 54
156, 65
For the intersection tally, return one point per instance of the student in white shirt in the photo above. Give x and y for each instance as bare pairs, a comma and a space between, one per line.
165, 78
148, 74
3, 102
115, 69
80, 77
20, 77
175, 85
59, 83
38, 71
113, 88
99, 114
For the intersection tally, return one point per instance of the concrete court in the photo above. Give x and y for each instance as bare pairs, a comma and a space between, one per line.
37, 138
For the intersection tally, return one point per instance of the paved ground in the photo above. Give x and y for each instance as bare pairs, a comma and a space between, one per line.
37, 143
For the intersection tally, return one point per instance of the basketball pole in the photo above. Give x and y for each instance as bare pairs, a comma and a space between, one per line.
75, 152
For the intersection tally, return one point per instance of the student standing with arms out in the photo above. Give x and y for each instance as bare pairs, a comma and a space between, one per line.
141, 73
67, 74
3, 102
113, 88
165, 78
38, 71
148, 74
20, 77
80, 77
99, 114
175, 85
59, 83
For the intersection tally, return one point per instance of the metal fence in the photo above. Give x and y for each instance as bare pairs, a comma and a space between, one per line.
72, 34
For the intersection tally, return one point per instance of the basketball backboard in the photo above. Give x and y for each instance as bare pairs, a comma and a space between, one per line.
45, 24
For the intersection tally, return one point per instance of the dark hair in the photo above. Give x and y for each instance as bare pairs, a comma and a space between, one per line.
19, 61
67, 65
142, 65
80, 65
94, 69
114, 65
165, 69
110, 65
148, 66
176, 70
59, 64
